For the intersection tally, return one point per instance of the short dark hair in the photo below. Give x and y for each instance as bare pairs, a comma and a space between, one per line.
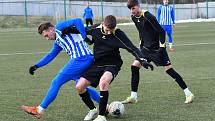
132, 3
110, 21
44, 26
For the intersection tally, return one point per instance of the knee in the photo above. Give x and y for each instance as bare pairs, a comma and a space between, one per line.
81, 87
166, 68
136, 63
103, 85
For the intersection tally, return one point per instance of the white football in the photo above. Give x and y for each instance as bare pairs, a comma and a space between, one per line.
116, 109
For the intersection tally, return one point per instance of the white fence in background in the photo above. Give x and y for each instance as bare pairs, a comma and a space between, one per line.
75, 9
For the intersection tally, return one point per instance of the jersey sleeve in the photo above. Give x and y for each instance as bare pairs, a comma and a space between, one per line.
92, 13
158, 13
74, 22
50, 56
173, 15
153, 21
125, 43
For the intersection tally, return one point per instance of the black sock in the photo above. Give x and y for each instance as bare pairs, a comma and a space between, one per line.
135, 78
177, 78
103, 102
87, 100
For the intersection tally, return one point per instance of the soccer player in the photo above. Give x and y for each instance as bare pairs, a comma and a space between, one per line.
88, 15
81, 58
166, 18
152, 45
107, 40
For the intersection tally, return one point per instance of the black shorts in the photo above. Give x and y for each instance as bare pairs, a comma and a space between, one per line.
159, 58
89, 21
95, 72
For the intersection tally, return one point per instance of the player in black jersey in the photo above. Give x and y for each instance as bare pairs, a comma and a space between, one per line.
152, 45
107, 40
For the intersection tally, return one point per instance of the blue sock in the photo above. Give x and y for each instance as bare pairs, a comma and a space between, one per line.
94, 94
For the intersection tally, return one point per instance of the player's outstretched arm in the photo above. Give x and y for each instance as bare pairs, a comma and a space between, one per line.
46, 59
124, 42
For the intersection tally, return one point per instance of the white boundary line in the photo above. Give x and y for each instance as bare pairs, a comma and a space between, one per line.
22, 53
34, 53
193, 44
180, 21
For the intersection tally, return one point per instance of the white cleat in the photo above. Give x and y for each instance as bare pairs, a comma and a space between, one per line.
129, 100
189, 99
91, 115
100, 118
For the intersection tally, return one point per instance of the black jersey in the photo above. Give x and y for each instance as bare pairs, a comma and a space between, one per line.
150, 31
106, 47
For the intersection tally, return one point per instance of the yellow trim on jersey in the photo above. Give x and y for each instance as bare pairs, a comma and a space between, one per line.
142, 13
162, 45
115, 30
100, 26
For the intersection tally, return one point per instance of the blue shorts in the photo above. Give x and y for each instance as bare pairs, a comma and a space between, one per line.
167, 28
76, 67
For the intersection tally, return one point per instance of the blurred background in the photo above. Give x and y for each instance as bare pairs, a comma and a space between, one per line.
29, 13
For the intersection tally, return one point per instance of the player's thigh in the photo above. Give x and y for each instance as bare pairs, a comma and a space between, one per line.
159, 58
105, 81
93, 74
76, 67
169, 30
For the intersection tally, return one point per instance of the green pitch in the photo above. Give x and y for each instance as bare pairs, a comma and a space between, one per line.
160, 98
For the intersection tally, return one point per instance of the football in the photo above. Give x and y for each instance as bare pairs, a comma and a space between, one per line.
116, 109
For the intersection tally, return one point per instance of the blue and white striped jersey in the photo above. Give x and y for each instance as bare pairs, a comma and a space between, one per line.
73, 44
165, 15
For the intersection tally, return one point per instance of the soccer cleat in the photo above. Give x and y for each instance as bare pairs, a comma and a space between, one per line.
31, 110
91, 115
171, 49
129, 100
189, 99
100, 118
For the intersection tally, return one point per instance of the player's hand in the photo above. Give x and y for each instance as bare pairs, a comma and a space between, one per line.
146, 64
69, 30
174, 26
32, 69
66, 31
88, 41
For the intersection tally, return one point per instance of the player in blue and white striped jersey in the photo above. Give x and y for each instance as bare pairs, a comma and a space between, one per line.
75, 47
166, 18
